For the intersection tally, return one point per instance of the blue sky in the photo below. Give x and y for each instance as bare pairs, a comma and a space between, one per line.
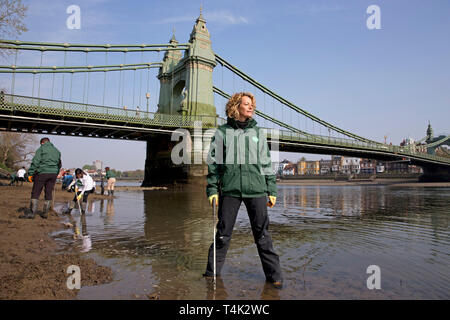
317, 54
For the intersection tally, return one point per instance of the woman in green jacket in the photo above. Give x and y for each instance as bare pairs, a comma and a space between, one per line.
240, 170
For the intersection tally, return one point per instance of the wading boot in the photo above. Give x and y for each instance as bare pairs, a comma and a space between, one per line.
29, 214
44, 214
69, 209
112, 193
109, 193
277, 284
83, 207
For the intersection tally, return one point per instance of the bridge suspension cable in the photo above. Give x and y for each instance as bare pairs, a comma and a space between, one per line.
78, 69
445, 151
44, 46
289, 104
263, 115
81, 87
438, 142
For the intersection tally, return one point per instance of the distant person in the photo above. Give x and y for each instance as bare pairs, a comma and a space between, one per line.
43, 171
111, 178
137, 112
21, 175
67, 179
84, 186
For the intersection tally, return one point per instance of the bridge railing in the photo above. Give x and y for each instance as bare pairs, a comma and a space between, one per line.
67, 109
343, 142
21, 105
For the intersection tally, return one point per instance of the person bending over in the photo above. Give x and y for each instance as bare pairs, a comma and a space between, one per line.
84, 186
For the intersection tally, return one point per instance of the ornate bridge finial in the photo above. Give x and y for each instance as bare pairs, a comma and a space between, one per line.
201, 12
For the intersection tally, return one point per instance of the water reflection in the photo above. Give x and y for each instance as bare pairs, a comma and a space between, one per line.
263, 291
80, 231
107, 214
326, 237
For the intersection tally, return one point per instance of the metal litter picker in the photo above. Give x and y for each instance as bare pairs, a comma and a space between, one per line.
214, 242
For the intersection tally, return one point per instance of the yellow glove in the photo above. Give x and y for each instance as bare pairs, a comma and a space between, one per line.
214, 196
80, 196
272, 201
30, 178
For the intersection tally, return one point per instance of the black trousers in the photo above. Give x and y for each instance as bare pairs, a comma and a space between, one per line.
42, 180
85, 195
259, 220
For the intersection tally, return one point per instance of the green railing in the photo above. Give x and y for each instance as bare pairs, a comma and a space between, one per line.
401, 151
67, 109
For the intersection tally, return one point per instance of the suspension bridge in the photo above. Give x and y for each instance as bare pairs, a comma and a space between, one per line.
106, 91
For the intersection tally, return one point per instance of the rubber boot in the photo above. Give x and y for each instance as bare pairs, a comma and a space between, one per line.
112, 193
47, 205
69, 209
83, 207
109, 193
29, 214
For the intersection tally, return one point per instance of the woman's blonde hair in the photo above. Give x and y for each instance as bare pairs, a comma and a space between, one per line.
232, 107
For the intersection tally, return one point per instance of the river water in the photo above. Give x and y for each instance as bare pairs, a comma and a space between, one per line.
156, 242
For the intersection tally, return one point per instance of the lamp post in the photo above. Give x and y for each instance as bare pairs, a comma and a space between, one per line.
147, 95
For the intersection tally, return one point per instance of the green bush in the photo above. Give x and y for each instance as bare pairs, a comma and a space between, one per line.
2, 166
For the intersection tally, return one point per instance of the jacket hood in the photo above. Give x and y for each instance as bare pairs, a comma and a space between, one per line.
233, 123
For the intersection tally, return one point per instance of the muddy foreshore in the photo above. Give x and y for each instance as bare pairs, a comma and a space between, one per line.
29, 267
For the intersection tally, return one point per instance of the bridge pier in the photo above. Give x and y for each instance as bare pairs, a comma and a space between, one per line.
160, 169
435, 174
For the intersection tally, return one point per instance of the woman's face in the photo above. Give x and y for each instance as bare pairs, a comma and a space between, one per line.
245, 108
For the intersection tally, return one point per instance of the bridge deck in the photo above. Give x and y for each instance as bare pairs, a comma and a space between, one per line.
45, 116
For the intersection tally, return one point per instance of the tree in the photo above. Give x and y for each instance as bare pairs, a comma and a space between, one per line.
12, 13
88, 167
16, 149
117, 173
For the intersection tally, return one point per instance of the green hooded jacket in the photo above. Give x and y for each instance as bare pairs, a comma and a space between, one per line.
47, 159
110, 174
239, 162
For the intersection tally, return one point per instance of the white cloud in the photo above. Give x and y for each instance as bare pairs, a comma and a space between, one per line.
226, 17
218, 16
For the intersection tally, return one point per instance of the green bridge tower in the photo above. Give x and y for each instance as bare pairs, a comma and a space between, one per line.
186, 88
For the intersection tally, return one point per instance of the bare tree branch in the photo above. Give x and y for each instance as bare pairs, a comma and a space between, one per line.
16, 148
12, 14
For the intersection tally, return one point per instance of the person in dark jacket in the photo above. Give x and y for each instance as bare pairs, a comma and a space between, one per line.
240, 170
43, 171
